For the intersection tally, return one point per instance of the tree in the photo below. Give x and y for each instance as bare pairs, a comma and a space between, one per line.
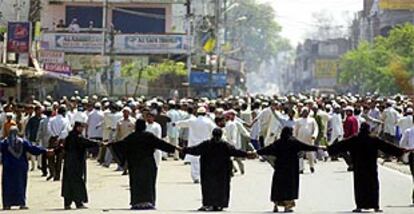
153, 71
384, 66
251, 26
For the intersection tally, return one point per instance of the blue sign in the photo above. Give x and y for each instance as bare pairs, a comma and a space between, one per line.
202, 79
18, 37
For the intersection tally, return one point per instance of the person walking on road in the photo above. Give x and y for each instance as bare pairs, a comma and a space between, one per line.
15, 168
363, 149
138, 150
285, 184
215, 169
200, 129
74, 167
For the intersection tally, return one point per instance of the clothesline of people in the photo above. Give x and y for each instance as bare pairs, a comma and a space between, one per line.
247, 123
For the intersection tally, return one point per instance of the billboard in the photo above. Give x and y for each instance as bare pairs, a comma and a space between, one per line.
18, 37
58, 68
130, 43
202, 79
326, 68
396, 4
57, 57
123, 43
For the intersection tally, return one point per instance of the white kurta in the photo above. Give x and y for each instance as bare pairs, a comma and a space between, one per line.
274, 130
200, 129
155, 129
337, 128
405, 123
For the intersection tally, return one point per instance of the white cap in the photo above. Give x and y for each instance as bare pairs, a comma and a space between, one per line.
126, 108
98, 105
201, 110
231, 111
349, 108
409, 110
171, 102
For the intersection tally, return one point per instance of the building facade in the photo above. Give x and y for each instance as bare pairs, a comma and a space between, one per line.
92, 36
316, 64
378, 17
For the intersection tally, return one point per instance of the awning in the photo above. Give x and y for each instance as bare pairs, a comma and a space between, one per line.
37, 73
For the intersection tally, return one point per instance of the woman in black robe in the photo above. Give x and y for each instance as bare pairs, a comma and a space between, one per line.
215, 170
364, 152
74, 168
138, 150
285, 183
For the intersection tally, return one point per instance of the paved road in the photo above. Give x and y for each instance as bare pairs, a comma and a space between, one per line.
329, 190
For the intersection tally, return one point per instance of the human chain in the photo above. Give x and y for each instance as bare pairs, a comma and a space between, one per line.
137, 134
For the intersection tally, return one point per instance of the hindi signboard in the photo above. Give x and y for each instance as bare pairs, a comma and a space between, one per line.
202, 79
18, 37
326, 68
174, 44
58, 68
55, 57
396, 4
75, 42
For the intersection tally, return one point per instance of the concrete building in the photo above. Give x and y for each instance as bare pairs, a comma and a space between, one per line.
143, 31
378, 17
316, 64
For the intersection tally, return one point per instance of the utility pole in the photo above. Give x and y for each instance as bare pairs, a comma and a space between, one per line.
105, 30
189, 38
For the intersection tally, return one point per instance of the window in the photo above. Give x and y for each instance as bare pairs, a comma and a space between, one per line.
84, 15
135, 23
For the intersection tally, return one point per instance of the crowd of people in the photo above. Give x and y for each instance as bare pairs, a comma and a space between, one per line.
137, 134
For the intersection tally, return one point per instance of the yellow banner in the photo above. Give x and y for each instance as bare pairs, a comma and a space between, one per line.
326, 68
210, 45
396, 4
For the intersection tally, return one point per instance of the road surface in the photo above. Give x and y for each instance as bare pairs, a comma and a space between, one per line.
329, 190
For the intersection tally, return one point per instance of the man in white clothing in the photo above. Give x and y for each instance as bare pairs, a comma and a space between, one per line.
390, 119
59, 127
336, 126
172, 131
94, 128
236, 130
406, 121
200, 129
111, 119
407, 142
154, 128
306, 130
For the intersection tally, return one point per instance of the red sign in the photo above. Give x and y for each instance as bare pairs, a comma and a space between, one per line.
58, 68
18, 37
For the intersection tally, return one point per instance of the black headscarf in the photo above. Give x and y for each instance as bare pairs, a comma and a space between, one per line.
217, 135
140, 125
365, 129
286, 134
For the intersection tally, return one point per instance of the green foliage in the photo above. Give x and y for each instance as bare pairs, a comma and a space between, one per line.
3, 30
153, 71
258, 34
385, 66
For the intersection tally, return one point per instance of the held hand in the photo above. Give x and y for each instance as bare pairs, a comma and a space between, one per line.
324, 148
251, 155
50, 152
179, 148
